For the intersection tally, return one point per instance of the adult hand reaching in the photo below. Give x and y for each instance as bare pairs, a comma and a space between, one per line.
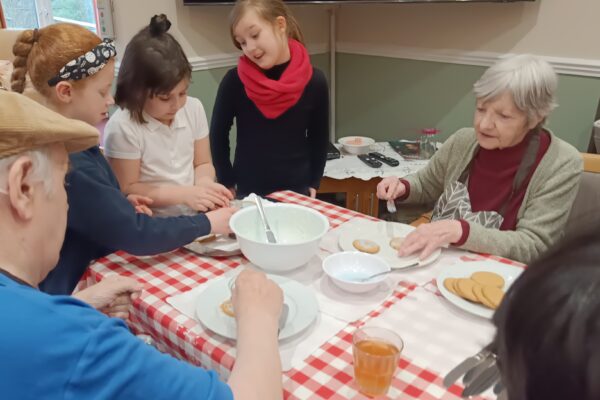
390, 188
113, 295
429, 237
254, 294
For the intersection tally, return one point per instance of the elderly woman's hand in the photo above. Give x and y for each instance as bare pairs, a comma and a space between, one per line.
390, 188
429, 237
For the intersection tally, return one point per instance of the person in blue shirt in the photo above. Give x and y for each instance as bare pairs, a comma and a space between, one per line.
73, 69
58, 347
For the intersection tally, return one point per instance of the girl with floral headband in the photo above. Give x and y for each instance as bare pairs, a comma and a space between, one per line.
280, 104
157, 143
73, 70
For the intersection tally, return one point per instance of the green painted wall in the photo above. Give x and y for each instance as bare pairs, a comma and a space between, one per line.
389, 98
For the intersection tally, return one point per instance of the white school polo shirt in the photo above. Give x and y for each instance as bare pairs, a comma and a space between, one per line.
166, 152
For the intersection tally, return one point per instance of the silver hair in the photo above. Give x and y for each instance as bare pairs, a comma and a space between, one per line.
41, 168
529, 79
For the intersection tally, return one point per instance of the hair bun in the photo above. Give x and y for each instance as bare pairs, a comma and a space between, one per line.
159, 24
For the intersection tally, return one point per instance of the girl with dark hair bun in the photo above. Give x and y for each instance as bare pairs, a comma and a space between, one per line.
157, 143
159, 24
280, 104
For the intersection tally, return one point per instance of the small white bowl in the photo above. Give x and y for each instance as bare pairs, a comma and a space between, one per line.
356, 144
346, 268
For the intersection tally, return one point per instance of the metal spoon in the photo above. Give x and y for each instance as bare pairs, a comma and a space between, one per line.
374, 275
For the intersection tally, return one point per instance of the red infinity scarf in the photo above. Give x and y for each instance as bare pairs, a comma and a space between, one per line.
273, 98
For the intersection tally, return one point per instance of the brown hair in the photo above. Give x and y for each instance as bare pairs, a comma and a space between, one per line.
268, 10
153, 63
42, 53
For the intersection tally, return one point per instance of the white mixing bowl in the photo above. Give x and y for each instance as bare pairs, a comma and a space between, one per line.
298, 231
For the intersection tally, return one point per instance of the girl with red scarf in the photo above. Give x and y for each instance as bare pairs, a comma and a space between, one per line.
280, 104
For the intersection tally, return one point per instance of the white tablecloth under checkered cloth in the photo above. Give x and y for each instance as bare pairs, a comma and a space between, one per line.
326, 374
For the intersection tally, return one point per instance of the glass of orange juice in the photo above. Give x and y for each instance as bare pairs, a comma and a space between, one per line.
376, 352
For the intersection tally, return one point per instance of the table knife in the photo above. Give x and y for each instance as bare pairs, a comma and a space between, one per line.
484, 381
464, 366
477, 370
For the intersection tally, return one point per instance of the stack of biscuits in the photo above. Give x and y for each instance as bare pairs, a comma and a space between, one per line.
482, 287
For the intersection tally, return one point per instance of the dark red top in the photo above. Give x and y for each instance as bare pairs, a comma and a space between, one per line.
491, 178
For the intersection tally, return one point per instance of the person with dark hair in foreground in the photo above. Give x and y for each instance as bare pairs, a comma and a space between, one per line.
548, 338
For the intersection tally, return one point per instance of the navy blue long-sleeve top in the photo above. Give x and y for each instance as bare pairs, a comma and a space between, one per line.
288, 152
101, 220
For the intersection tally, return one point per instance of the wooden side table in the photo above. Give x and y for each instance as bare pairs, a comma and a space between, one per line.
361, 195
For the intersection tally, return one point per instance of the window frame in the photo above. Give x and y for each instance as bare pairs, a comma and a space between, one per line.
43, 10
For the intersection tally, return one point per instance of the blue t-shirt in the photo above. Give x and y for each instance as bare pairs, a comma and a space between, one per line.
57, 347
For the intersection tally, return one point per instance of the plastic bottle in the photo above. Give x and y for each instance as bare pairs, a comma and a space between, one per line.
427, 143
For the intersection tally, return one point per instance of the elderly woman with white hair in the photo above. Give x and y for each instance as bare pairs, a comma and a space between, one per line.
506, 185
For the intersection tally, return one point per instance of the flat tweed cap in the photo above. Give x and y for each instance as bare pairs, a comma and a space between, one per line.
27, 125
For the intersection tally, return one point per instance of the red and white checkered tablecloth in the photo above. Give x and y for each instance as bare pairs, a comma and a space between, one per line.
326, 374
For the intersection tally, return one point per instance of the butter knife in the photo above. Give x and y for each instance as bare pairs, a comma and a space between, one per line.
283, 317
465, 366
477, 370
484, 381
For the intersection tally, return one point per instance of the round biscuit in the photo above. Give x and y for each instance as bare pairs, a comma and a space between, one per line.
478, 292
465, 286
493, 294
366, 246
449, 284
396, 242
227, 308
488, 279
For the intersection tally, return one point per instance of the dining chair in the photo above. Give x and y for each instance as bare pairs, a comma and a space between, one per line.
585, 212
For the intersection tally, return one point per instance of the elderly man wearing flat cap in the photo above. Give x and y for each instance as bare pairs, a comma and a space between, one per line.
59, 347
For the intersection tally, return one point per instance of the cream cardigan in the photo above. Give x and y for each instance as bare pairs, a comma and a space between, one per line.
545, 208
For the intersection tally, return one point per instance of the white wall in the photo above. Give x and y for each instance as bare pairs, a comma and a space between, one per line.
203, 30
558, 28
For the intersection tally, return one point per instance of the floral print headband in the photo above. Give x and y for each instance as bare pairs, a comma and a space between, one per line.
87, 64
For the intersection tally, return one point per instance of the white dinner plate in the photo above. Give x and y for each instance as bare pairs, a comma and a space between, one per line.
464, 270
222, 246
376, 231
302, 303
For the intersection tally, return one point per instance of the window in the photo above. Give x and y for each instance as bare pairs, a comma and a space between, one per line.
28, 14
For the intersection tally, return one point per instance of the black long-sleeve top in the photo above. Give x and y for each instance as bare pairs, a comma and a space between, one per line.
285, 153
101, 220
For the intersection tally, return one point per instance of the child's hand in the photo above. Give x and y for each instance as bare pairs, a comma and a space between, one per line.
219, 219
207, 197
140, 203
